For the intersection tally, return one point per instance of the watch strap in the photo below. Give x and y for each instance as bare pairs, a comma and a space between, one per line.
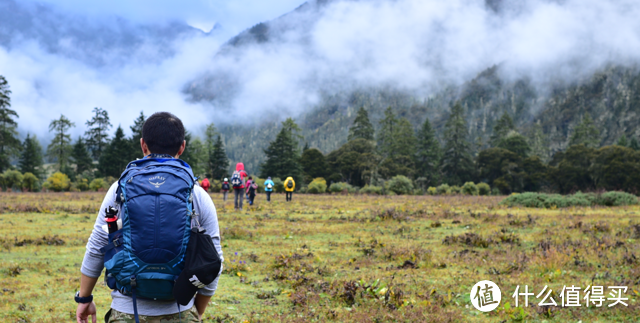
83, 300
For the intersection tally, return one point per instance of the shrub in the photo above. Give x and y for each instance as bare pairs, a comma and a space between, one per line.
278, 185
541, 200
455, 189
317, 186
98, 184
484, 189
432, 190
371, 189
495, 191
12, 179
260, 182
82, 184
617, 199
109, 180
30, 182
443, 189
400, 185
469, 188
340, 187
58, 182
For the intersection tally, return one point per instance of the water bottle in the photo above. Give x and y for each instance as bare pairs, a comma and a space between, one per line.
111, 215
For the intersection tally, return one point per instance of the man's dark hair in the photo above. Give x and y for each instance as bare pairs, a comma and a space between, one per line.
164, 133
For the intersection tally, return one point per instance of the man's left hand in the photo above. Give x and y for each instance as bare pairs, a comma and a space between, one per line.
84, 311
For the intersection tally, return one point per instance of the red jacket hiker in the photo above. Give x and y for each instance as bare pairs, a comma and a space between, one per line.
206, 184
243, 174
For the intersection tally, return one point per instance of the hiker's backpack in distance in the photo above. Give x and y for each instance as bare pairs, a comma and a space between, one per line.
236, 181
225, 186
290, 184
144, 258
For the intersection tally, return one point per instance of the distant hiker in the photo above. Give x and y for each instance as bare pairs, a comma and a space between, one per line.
252, 189
247, 185
268, 188
289, 186
205, 184
237, 182
143, 293
225, 189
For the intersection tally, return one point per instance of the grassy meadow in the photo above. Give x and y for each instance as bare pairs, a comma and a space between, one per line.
347, 258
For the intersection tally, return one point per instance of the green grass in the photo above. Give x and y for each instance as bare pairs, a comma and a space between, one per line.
342, 258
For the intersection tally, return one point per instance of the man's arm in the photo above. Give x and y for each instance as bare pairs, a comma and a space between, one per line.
201, 304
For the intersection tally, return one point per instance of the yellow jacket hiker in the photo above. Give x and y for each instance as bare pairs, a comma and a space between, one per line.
289, 186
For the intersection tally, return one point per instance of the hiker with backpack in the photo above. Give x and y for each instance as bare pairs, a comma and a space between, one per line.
156, 258
205, 184
238, 182
247, 186
252, 189
289, 186
225, 189
268, 188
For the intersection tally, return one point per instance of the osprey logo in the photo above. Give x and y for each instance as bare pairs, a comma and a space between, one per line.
157, 181
194, 280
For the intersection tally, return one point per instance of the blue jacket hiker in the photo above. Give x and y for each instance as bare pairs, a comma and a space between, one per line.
268, 188
142, 281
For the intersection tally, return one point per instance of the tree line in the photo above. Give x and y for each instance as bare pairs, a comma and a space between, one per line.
512, 163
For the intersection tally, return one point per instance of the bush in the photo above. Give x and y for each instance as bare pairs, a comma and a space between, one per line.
30, 182
260, 182
317, 186
58, 182
541, 200
484, 189
278, 185
443, 189
340, 187
12, 179
81, 184
432, 190
469, 188
98, 184
616, 199
371, 189
400, 185
455, 189
495, 191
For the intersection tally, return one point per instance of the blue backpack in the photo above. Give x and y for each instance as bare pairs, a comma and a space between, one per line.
144, 258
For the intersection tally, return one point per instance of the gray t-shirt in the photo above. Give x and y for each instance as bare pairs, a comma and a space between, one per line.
93, 261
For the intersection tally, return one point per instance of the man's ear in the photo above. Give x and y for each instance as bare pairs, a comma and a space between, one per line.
182, 147
144, 147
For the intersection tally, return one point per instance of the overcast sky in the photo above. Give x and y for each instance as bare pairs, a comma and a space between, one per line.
233, 15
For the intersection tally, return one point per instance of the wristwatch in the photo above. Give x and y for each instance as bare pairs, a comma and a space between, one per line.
83, 300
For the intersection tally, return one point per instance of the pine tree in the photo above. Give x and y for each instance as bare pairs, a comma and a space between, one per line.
218, 159
538, 143
585, 133
136, 135
633, 144
313, 164
387, 132
457, 165
9, 143
623, 141
501, 129
114, 159
97, 135
362, 127
195, 154
31, 157
210, 141
80, 156
283, 159
428, 153
60, 146
516, 143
